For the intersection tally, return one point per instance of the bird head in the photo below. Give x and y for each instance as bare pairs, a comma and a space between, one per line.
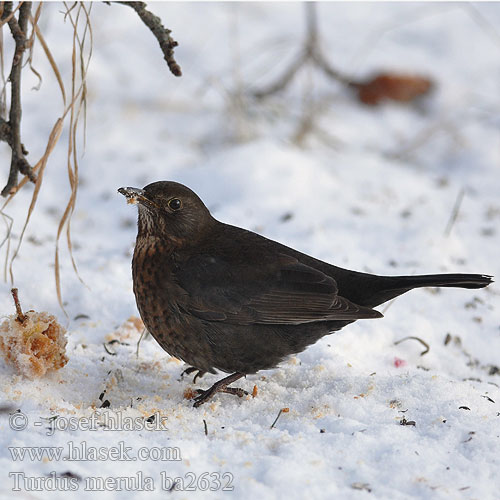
169, 210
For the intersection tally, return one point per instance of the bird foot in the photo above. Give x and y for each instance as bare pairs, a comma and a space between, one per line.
192, 369
220, 386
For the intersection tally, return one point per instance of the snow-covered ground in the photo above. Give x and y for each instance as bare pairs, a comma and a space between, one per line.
369, 188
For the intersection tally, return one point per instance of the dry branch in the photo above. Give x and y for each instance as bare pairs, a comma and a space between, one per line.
74, 104
162, 34
20, 316
10, 131
310, 52
402, 88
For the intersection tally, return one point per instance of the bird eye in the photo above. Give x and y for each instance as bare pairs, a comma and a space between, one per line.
174, 203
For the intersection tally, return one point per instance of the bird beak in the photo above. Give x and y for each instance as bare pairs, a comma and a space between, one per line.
133, 195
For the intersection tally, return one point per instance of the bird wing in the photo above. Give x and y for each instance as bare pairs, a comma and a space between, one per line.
276, 290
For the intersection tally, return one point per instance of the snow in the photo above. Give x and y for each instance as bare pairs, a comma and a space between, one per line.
373, 190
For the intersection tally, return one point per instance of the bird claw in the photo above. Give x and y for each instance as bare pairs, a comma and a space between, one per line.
220, 386
236, 391
204, 396
192, 369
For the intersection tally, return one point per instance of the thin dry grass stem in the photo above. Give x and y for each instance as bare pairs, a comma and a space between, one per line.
53, 138
74, 108
41, 163
31, 44
51, 60
9, 221
39, 169
79, 70
68, 10
84, 71
6, 202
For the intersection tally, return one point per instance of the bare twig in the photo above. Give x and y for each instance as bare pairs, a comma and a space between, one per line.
310, 52
284, 80
283, 410
276, 419
11, 130
20, 316
162, 34
425, 344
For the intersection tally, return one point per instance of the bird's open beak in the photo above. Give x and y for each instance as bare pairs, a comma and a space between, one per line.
133, 195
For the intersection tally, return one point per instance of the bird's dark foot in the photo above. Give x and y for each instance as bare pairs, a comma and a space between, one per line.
220, 386
192, 369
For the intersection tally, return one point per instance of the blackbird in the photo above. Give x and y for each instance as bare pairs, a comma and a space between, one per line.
223, 298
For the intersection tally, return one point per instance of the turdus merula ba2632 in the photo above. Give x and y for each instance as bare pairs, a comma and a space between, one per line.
223, 298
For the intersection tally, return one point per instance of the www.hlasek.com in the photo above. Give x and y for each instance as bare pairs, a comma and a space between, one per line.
76, 452
205, 481
99, 420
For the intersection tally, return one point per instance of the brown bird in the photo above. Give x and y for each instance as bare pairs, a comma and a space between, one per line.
223, 298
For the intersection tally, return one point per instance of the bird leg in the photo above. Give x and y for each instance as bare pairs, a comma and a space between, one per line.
220, 386
192, 369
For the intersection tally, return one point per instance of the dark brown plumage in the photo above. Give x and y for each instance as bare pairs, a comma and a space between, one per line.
223, 298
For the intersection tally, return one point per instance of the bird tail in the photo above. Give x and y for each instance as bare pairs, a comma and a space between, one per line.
447, 280
388, 287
